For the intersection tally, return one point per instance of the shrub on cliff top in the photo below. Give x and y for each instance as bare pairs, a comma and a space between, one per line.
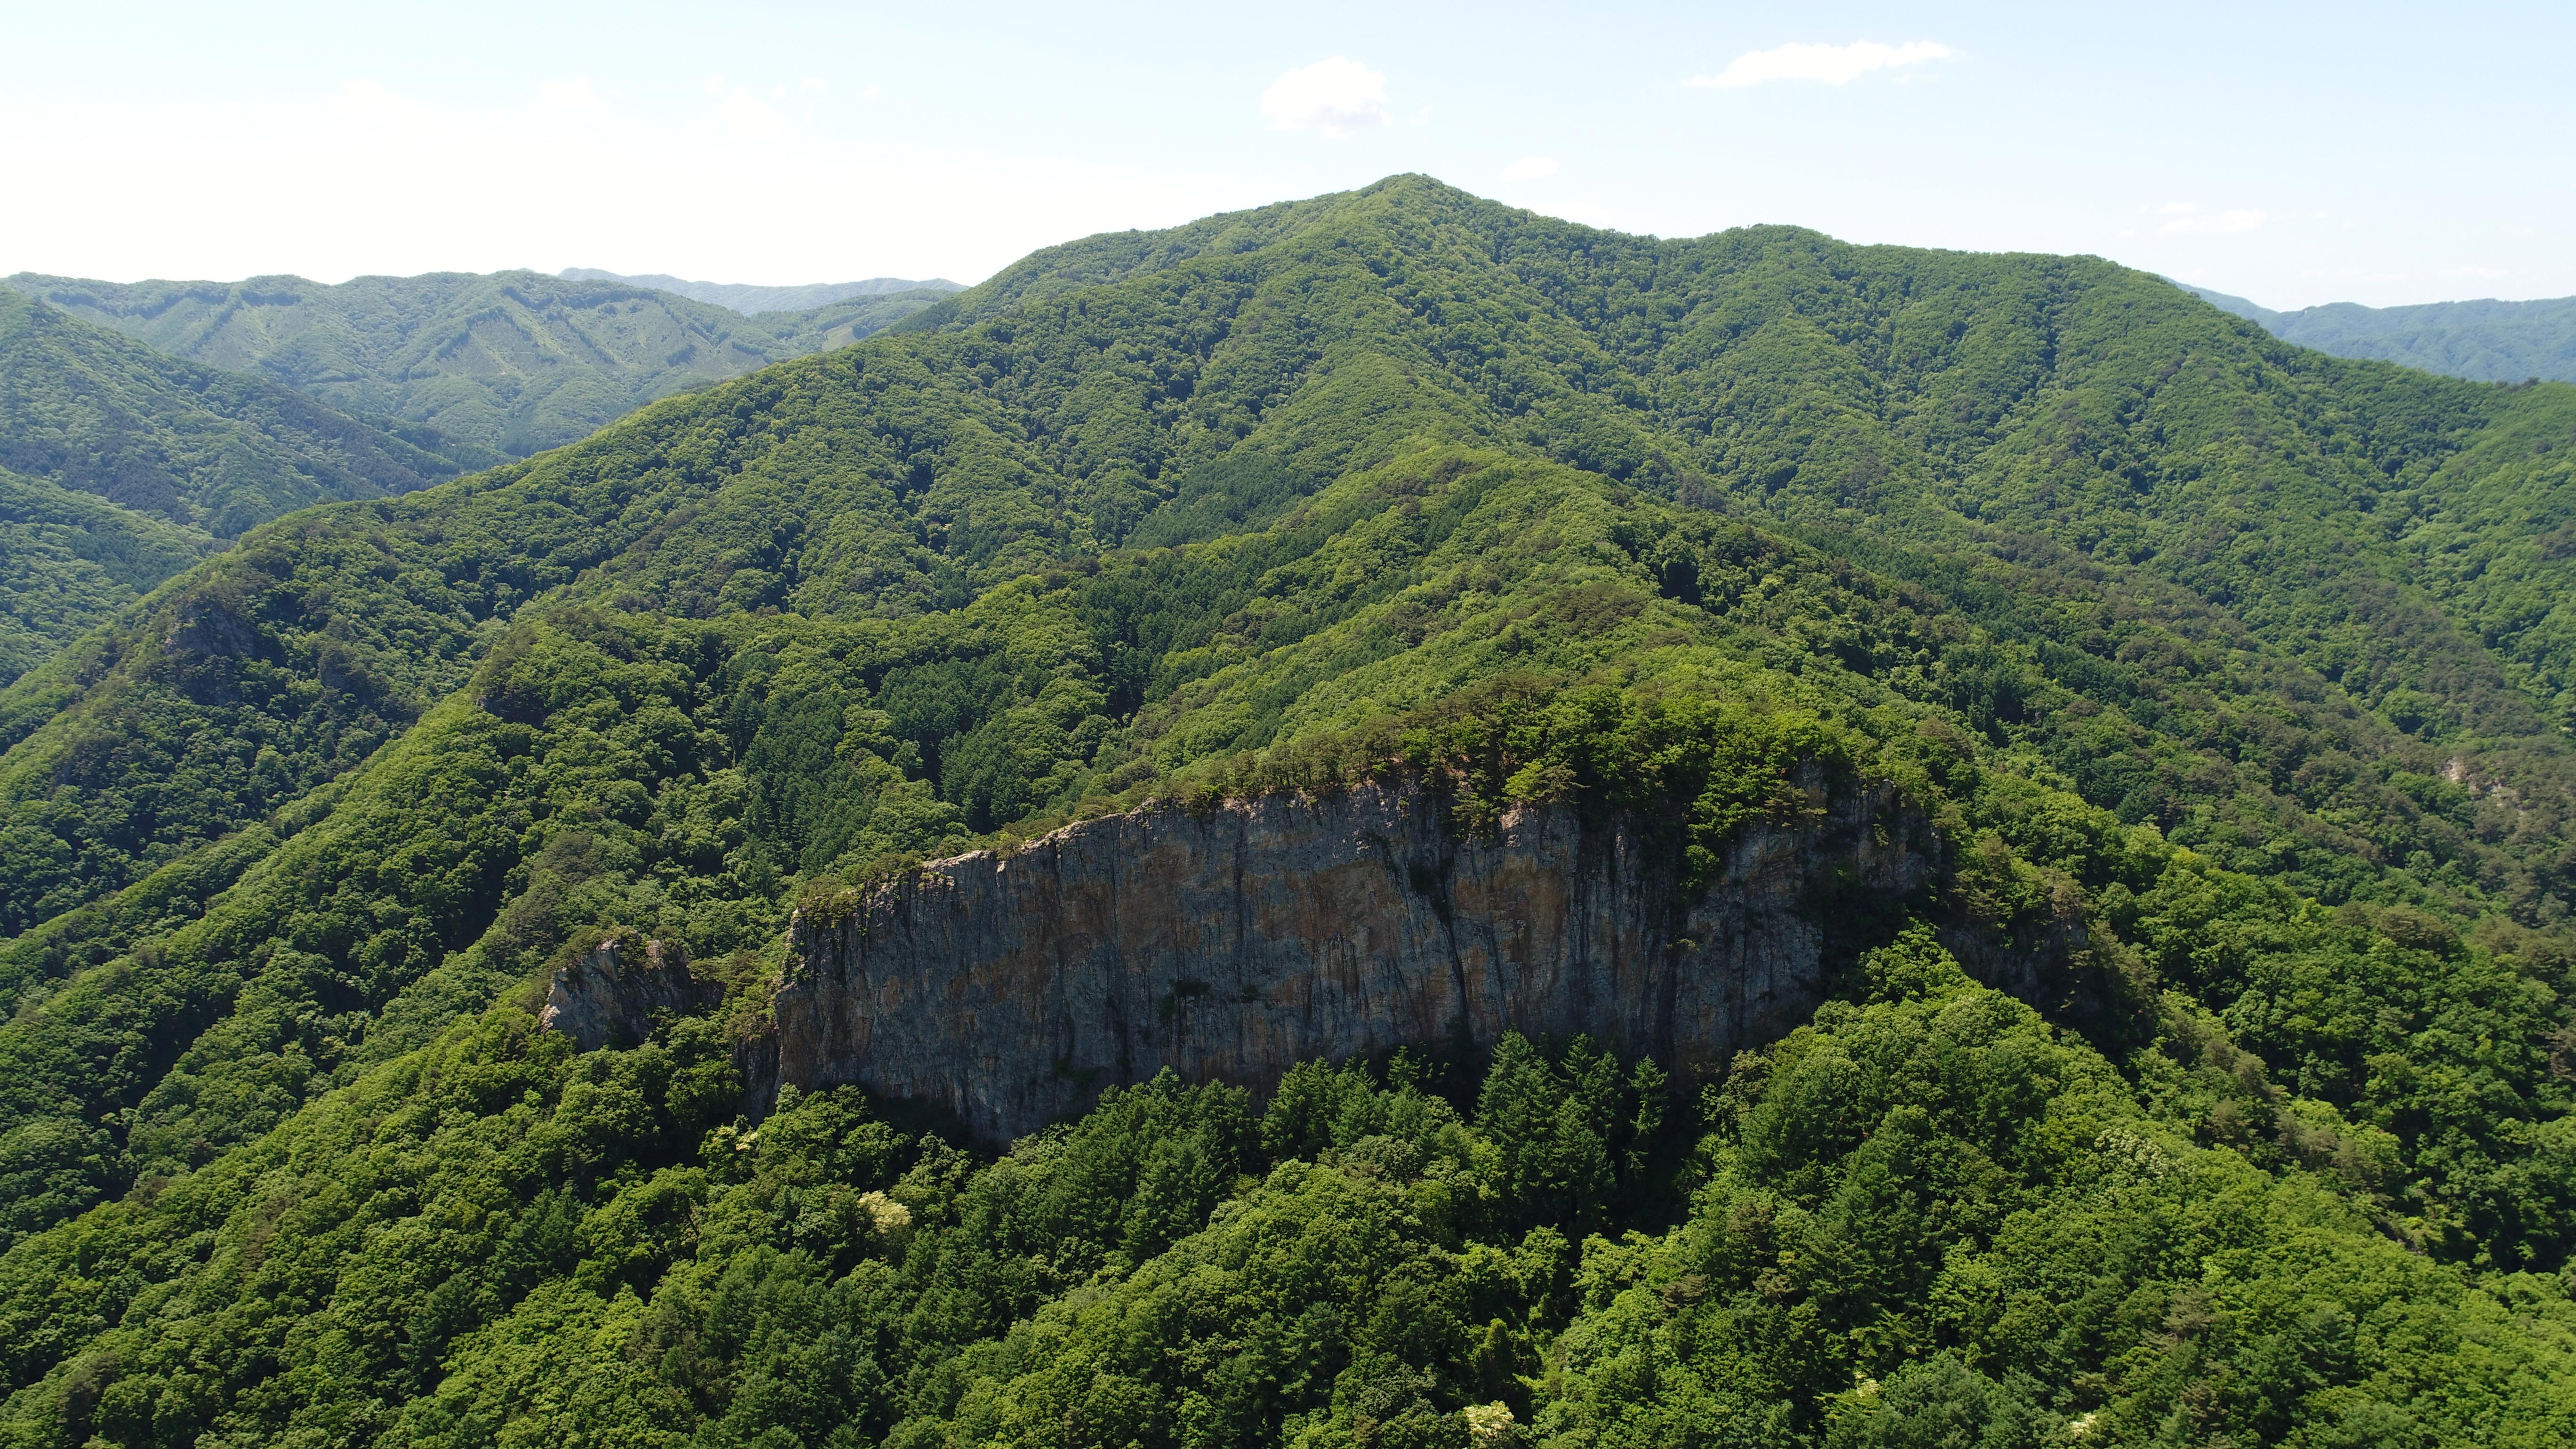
1686, 768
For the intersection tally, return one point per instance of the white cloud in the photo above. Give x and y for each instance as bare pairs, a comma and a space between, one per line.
571, 95
1335, 96
744, 116
1832, 64
2188, 218
1530, 168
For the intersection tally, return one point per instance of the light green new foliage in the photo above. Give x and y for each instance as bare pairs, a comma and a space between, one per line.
1925, 1211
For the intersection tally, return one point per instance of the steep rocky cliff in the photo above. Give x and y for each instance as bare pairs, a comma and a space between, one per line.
1233, 943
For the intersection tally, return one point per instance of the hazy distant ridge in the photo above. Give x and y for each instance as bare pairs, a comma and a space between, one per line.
747, 299
2488, 340
515, 361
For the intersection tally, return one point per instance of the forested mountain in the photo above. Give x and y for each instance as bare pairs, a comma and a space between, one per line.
2487, 340
749, 299
120, 467
2216, 1088
511, 361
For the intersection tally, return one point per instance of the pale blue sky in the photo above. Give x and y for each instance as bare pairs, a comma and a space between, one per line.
2294, 154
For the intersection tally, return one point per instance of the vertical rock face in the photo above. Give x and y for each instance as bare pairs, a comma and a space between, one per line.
1235, 943
607, 995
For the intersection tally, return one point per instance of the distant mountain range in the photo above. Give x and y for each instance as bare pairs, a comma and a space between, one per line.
2487, 340
748, 299
514, 361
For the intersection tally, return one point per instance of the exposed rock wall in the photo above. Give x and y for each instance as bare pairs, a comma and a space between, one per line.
607, 995
1233, 944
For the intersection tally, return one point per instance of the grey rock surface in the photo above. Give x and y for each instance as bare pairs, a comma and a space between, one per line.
607, 996
1233, 943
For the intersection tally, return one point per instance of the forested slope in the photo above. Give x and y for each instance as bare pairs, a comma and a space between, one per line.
120, 467
2232, 675
70, 560
513, 361
85, 408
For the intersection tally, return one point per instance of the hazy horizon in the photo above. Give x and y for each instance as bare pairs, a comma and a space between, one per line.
647, 275
2295, 156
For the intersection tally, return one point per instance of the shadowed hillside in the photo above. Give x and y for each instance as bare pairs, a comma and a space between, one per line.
93, 411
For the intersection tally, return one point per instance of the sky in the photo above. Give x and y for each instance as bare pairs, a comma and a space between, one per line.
2291, 154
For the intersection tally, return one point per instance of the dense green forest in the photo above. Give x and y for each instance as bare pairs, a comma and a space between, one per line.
70, 560
2487, 340
513, 361
751, 299
2217, 1090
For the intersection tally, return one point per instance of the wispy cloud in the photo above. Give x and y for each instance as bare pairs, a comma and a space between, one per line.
1332, 97
571, 95
2190, 218
1530, 168
1832, 64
